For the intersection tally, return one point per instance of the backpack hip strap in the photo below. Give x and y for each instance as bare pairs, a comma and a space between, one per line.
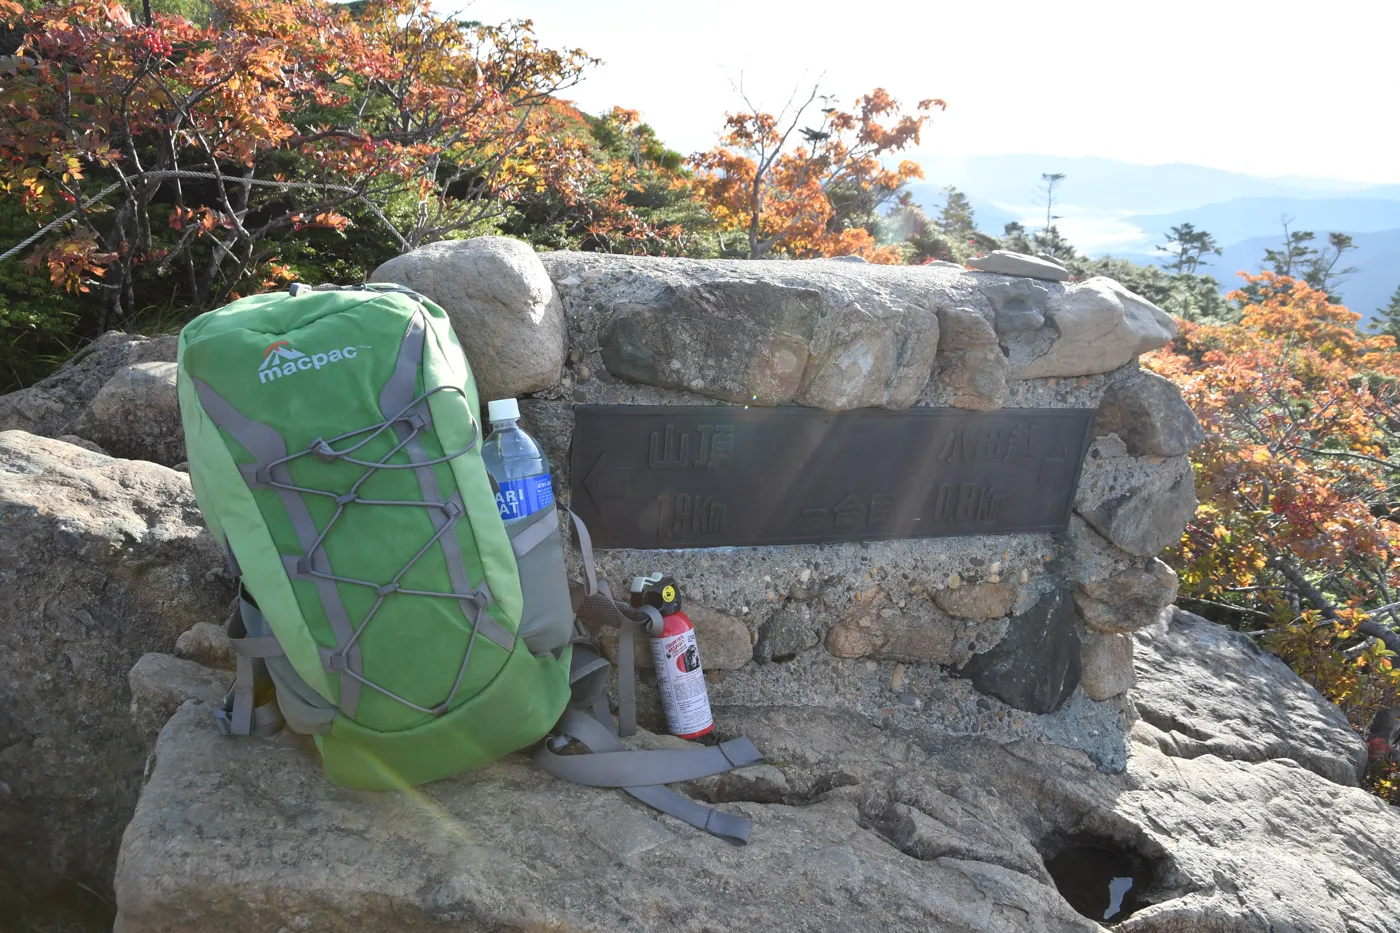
611, 764
253, 641
641, 773
597, 609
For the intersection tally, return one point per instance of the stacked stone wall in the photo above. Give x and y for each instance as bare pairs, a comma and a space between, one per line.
1035, 622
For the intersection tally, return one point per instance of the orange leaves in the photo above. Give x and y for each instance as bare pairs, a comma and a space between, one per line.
1288, 308
326, 220
1302, 419
781, 197
276, 275
428, 118
625, 118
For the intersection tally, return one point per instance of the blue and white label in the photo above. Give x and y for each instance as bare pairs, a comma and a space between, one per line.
520, 498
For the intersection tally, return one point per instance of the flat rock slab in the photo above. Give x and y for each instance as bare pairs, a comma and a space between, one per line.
1205, 690
858, 829
246, 836
1008, 263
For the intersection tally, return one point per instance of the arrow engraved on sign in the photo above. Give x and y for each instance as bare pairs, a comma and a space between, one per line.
607, 482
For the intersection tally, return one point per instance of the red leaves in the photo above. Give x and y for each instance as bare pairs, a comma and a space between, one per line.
74, 262
413, 107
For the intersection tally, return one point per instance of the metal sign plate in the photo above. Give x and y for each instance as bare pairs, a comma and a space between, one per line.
716, 476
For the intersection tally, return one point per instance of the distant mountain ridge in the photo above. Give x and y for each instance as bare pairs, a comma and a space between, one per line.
1109, 185
1115, 208
1245, 218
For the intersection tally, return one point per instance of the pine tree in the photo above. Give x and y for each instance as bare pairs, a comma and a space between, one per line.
1189, 246
1295, 255
956, 218
1321, 271
1052, 243
1049, 181
1387, 319
1014, 238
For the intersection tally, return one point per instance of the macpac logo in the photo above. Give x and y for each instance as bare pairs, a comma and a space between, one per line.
281, 360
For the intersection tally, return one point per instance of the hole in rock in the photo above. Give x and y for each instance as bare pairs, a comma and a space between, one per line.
1101, 879
72, 908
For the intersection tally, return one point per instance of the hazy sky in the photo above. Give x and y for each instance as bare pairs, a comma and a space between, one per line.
1269, 88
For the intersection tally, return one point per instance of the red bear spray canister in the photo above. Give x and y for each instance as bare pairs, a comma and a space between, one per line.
676, 658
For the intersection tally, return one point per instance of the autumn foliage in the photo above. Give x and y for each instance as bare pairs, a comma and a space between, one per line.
807, 200
166, 165
193, 150
1298, 533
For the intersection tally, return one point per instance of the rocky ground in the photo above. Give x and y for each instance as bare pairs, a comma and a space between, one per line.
1249, 821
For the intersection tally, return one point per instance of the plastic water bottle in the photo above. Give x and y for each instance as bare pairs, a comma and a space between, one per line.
515, 461
525, 488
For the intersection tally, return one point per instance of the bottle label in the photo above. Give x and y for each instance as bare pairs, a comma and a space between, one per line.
682, 682
519, 498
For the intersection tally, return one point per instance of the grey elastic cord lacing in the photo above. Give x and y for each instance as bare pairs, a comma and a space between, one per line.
325, 451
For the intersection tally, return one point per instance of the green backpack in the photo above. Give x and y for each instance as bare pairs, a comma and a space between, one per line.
334, 445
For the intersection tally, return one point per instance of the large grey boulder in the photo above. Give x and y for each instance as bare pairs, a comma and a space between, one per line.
501, 303
51, 406
1150, 416
1101, 326
101, 561
160, 684
1205, 690
856, 828
826, 334
137, 415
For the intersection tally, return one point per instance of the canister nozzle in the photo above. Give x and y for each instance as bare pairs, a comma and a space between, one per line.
663, 593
